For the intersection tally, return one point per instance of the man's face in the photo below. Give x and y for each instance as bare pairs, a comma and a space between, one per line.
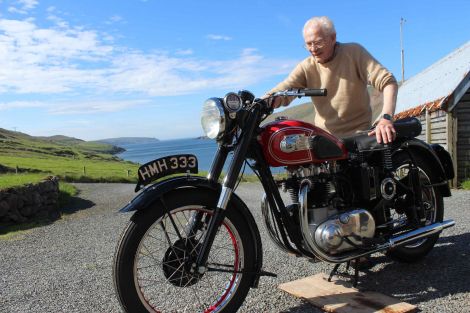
321, 46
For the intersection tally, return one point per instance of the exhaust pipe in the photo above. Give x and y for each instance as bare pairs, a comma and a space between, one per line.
391, 243
420, 233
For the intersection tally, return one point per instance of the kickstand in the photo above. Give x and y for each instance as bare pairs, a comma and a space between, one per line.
348, 264
356, 273
334, 271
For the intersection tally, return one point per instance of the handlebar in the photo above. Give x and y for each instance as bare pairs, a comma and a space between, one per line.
306, 92
294, 92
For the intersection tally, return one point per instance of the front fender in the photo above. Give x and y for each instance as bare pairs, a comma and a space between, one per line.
152, 194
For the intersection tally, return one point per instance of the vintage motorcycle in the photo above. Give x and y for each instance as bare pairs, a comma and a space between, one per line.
193, 245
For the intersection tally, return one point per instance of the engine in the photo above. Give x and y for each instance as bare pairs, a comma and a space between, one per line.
333, 226
344, 231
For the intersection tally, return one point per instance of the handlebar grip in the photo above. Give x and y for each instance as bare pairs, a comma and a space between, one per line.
315, 92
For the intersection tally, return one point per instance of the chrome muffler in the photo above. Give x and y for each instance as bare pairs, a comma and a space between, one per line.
420, 233
392, 243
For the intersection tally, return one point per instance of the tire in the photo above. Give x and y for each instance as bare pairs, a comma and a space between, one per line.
149, 275
417, 250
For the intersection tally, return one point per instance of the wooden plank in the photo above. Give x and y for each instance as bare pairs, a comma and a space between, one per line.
428, 127
439, 136
422, 137
452, 145
438, 118
336, 297
438, 123
440, 130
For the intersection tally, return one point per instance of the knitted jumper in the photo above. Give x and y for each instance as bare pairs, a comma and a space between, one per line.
346, 109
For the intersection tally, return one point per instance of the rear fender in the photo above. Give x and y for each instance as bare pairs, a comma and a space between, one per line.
446, 160
425, 151
150, 195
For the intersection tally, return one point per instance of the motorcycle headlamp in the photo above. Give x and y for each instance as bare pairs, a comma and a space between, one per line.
213, 118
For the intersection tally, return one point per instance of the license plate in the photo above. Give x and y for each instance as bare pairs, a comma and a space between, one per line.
173, 164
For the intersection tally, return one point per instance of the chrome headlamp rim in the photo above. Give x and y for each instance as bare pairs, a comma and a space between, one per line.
219, 118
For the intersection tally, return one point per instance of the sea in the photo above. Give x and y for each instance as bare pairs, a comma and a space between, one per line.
203, 149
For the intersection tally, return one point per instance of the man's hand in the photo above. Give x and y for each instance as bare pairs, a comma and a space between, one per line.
274, 102
384, 131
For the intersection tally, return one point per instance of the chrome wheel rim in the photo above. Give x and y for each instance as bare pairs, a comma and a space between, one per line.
213, 290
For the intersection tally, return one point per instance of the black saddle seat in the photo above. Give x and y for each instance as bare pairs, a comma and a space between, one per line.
409, 127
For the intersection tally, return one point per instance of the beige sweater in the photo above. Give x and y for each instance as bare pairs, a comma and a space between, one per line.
346, 109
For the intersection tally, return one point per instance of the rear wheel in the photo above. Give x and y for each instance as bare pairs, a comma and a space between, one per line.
153, 263
433, 207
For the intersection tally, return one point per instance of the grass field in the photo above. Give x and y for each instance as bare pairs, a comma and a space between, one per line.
68, 158
75, 169
466, 184
14, 180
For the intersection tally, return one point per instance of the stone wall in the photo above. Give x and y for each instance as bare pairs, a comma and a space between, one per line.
30, 202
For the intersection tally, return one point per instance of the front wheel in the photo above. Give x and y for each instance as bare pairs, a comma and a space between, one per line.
153, 262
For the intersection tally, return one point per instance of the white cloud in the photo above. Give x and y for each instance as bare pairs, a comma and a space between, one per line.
218, 37
78, 61
83, 106
23, 6
184, 52
94, 106
41, 60
21, 104
163, 75
28, 4
114, 19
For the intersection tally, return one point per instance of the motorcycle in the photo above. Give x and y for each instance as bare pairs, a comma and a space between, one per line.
193, 245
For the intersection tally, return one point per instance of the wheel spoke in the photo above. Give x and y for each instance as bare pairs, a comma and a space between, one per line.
167, 249
403, 178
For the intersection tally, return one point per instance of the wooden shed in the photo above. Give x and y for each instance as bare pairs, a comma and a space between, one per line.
440, 97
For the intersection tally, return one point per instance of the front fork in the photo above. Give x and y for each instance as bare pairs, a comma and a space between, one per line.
228, 186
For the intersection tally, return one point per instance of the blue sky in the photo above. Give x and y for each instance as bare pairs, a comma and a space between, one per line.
100, 69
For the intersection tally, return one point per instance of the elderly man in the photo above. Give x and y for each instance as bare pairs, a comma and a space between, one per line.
345, 69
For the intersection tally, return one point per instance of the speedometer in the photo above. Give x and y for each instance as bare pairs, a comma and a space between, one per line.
232, 102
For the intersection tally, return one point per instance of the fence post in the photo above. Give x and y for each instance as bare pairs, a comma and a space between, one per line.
84, 170
128, 171
17, 169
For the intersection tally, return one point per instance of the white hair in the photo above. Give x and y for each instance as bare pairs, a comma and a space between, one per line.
323, 22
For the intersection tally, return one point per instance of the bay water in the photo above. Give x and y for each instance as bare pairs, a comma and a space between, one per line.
203, 149
142, 153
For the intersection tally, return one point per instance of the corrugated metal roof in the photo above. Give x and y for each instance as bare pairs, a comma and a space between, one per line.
416, 111
436, 82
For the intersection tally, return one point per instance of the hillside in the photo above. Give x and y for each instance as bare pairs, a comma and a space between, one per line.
127, 140
20, 144
306, 112
70, 159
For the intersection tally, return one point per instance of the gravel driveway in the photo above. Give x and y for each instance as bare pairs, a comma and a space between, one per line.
66, 266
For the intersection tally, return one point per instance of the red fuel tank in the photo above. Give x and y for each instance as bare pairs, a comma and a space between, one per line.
289, 142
